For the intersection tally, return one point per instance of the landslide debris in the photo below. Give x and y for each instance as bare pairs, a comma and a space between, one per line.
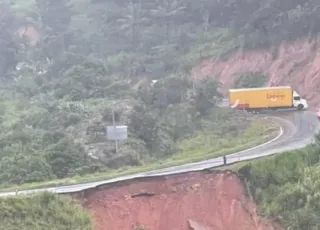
192, 200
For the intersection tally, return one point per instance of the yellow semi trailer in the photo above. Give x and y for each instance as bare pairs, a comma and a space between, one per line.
266, 98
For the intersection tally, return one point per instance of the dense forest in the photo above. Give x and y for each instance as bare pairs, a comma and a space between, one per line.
66, 64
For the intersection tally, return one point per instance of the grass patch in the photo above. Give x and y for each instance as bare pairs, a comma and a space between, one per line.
200, 147
206, 146
41, 212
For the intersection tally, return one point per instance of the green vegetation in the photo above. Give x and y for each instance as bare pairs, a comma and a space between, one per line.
140, 228
41, 212
79, 60
250, 80
286, 186
206, 143
43, 140
57, 97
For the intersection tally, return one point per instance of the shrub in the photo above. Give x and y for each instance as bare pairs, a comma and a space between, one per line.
42, 211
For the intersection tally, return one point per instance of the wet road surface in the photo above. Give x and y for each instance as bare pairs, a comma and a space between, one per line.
297, 130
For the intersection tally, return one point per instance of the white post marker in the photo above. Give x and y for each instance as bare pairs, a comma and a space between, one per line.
116, 133
115, 129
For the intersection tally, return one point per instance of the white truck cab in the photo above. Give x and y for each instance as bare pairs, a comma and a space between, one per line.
299, 102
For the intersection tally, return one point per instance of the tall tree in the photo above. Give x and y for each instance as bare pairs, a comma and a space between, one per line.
166, 11
131, 19
8, 47
206, 95
55, 17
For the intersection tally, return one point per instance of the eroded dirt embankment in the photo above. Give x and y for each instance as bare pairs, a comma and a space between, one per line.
296, 64
214, 200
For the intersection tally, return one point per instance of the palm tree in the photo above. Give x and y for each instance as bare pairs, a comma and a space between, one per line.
8, 46
131, 20
166, 11
55, 15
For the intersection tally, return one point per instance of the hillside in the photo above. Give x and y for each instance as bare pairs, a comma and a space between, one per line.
295, 64
69, 65
218, 201
275, 193
162, 67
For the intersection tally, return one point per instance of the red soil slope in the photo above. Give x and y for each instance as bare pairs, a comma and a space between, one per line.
296, 64
214, 200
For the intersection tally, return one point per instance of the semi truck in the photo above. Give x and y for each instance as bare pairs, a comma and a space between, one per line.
255, 99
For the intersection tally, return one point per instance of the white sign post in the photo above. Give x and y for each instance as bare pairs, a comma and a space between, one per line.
116, 133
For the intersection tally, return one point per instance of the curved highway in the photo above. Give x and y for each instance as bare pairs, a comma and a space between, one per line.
297, 130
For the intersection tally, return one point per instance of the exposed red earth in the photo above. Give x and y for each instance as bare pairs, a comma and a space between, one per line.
296, 64
214, 200
198, 200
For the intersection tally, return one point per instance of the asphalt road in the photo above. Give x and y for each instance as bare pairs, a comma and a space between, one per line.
297, 130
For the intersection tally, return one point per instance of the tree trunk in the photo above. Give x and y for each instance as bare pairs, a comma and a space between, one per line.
168, 30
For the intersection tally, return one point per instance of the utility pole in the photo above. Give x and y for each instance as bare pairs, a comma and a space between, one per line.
194, 82
114, 129
115, 132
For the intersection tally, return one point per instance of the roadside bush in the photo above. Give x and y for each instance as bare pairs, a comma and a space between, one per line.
24, 168
42, 211
250, 80
286, 186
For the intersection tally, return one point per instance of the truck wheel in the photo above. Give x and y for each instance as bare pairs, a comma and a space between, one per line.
300, 107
